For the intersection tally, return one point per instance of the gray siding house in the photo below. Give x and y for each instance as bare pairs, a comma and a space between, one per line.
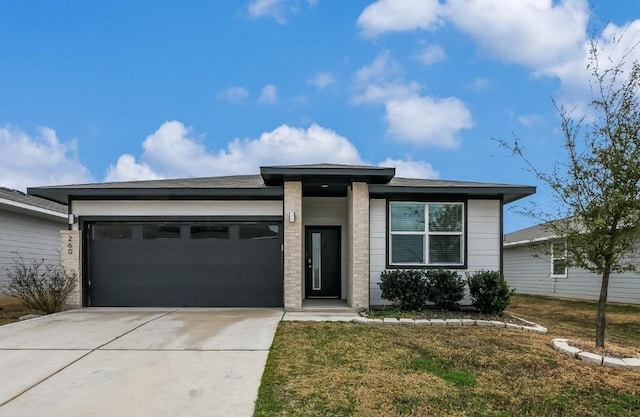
29, 226
288, 237
534, 263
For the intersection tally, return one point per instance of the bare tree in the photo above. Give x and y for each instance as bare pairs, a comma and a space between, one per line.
597, 183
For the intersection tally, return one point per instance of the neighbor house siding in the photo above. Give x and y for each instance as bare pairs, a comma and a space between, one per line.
328, 211
528, 270
28, 236
177, 208
482, 249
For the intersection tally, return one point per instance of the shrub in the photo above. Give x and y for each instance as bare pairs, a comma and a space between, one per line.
489, 292
445, 289
405, 288
40, 286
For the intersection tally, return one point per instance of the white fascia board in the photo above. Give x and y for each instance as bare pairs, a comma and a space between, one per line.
528, 241
38, 211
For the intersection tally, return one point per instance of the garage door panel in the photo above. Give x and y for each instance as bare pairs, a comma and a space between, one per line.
186, 272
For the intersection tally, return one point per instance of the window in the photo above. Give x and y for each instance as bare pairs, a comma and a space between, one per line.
111, 231
258, 231
159, 231
559, 259
210, 231
426, 233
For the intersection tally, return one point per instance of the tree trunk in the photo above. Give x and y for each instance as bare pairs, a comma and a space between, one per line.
601, 318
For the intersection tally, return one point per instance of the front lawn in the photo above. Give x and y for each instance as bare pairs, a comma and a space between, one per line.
346, 369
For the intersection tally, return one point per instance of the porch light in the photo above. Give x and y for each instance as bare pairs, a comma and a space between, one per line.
324, 185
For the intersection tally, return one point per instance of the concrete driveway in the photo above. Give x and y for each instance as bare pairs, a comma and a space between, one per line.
135, 362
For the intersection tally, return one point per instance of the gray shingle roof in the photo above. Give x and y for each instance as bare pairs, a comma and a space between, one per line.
529, 234
381, 180
232, 181
20, 197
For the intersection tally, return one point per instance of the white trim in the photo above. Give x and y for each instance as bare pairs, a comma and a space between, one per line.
525, 242
34, 209
178, 208
564, 258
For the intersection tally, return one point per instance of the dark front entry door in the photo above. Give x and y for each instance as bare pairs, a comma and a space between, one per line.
323, 262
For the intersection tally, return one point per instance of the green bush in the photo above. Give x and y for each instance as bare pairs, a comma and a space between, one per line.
41, 287
489, 292
445, 289
405, 288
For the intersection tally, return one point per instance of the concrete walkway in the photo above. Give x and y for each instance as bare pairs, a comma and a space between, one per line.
135, 362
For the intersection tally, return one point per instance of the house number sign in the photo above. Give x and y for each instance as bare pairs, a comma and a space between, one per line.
70, 245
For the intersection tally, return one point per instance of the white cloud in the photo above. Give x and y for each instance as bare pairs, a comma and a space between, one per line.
411, 117
529, 120
379, 82
322, 80
27, 161
376, 93
428, 121
234, 94
269, 94
127, 169
276, 9
399, 15
411, 169
432, 54
479, 84
173, 151
536, 33
382, 68
267, 8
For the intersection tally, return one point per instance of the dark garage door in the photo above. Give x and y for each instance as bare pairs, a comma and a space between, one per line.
185, 264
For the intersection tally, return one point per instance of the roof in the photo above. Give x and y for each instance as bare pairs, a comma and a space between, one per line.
227, 186
531, 234
509, 192
15, 200
268, 185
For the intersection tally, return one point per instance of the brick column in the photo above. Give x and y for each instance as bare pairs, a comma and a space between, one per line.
358, 246
71, 260
293, 245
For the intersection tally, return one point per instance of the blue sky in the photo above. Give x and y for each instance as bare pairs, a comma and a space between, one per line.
123, 90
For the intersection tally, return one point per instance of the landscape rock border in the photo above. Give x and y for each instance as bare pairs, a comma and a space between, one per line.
563, 346
531, 327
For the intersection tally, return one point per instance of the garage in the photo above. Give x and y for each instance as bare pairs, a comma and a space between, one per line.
184, 264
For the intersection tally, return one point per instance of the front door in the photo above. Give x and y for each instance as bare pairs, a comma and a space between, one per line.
322, 276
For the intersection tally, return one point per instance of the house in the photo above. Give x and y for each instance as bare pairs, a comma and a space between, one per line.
283, 238
29, 227
534, 263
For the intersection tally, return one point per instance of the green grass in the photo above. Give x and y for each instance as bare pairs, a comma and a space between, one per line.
346, 369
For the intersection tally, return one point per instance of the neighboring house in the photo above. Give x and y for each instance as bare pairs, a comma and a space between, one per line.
279, 239
534, 263
30, 227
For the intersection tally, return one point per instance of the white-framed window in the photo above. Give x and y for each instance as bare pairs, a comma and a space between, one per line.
559, 259
425, 234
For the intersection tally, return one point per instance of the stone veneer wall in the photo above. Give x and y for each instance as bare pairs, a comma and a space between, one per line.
70, 259
358, 246
293, 245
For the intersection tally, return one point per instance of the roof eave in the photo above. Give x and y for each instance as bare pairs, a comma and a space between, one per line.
509, 194
31, 210
63, 195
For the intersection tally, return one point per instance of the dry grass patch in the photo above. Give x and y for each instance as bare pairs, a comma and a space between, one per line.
344, 369
577, 319
11, 310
